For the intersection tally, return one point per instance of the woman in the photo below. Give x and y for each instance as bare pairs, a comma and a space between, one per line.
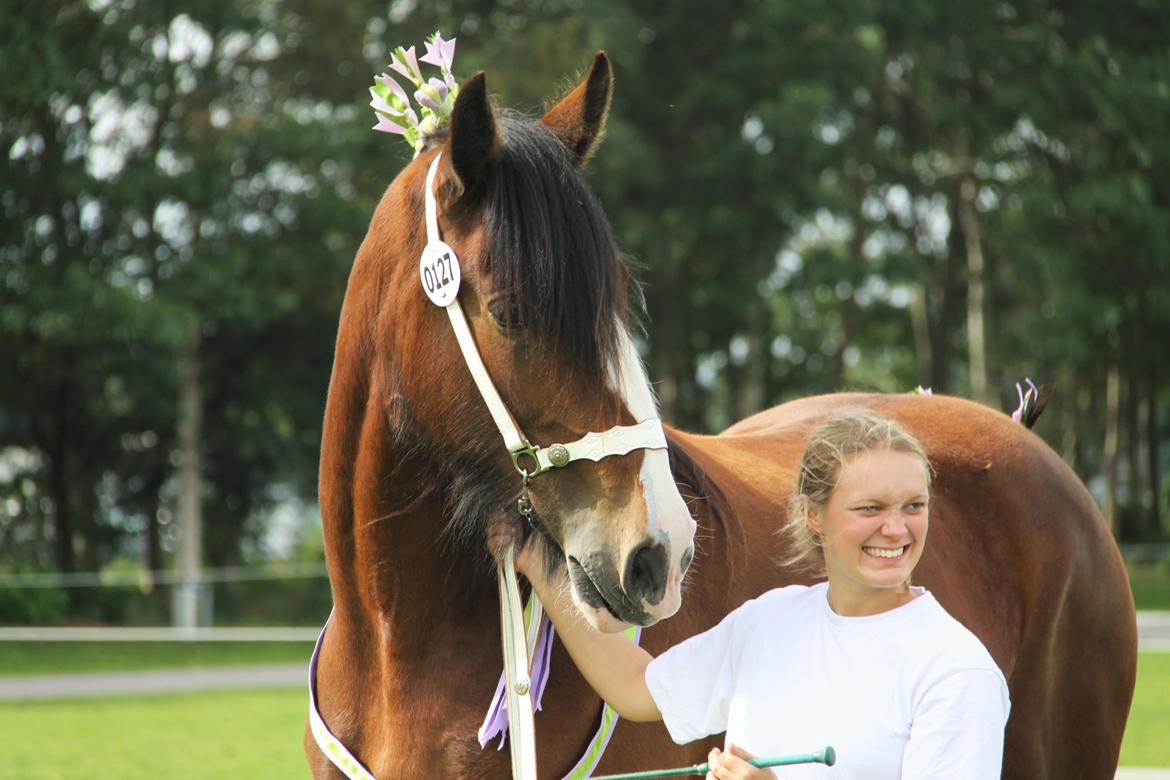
865, 661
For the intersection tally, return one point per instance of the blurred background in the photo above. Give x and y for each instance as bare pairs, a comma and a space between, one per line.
817, 196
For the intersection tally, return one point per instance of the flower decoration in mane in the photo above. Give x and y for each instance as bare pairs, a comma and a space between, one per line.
435, 97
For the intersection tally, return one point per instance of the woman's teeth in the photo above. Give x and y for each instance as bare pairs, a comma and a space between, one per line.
881, 552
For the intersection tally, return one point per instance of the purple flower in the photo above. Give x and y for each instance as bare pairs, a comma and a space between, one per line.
1031, 396
386, 126
440, 53
380, 106
394, 87
390, 117
426, 101
405, 63
440, 88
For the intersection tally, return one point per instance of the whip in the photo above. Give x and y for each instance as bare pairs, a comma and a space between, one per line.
827, 756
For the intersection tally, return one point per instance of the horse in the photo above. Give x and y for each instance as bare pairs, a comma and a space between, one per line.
413, 477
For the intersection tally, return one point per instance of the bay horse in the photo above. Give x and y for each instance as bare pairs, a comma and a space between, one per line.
413, 476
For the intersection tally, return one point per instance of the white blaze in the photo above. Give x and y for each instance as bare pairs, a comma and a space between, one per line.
665, 509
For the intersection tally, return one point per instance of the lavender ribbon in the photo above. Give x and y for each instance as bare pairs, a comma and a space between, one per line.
496, 722
1026, 398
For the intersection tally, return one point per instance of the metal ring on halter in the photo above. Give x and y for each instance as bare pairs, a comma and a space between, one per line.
530, 452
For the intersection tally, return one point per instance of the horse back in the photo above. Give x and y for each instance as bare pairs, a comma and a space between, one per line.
1017, 551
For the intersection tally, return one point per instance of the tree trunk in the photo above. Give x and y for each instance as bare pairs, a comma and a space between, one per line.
65, 558
759, 358
1069, 413
1135, 423
976, 336
1112, 424
152, 542
1154, 471
189, 514
920, 324
62, 480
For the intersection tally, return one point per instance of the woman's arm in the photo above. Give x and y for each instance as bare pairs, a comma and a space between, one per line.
611, 663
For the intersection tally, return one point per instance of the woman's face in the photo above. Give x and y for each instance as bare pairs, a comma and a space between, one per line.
873, 529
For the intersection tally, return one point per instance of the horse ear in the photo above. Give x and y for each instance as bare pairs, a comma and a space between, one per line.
473, 132
579, 118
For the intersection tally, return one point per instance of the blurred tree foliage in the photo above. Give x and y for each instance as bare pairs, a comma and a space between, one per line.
819, 194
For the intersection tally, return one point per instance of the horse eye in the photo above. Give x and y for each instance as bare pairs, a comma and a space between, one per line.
507, 313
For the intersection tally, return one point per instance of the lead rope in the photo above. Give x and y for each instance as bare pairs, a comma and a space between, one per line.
518, 682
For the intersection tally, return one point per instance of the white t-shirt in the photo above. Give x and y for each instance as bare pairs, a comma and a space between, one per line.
909, 693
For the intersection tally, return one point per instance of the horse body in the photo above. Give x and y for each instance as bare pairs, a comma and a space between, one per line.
413, 474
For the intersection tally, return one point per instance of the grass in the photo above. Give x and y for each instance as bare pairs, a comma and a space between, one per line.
234, 734
20, 658
1150, 583
1146, 742
257, 734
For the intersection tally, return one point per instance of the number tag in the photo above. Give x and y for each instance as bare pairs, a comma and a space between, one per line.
438, 269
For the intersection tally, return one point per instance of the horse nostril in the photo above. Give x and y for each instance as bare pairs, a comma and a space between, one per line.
646, 573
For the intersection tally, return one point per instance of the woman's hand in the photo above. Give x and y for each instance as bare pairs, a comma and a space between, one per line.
528, 556
612, 664
733, 765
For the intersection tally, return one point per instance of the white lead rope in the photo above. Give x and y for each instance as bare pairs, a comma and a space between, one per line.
518, 680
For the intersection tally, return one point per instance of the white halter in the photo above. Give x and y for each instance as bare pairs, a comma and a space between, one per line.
440, 274
618, 440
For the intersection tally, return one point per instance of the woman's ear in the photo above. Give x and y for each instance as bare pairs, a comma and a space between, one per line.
812, 517
579, 118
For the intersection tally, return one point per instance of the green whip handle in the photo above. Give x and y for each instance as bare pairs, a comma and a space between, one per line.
827, 756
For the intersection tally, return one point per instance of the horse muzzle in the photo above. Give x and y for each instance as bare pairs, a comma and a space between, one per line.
642, 590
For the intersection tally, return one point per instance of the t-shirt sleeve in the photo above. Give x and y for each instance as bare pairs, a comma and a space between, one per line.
957, 730
692, 683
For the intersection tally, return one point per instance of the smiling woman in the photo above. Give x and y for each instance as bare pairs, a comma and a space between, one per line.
865, 661
861, 511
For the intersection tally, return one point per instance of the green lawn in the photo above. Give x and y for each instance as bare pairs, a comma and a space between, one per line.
235, 734
50, 657
257, 734
1150, 583
1147, 736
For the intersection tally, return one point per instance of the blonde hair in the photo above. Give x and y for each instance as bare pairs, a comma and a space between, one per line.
845, 434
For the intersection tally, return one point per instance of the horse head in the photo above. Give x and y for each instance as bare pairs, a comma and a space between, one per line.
545, 291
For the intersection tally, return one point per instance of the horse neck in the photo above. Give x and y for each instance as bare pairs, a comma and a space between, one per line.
389, 564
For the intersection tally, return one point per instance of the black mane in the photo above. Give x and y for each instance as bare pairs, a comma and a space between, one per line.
554, 259
553, 254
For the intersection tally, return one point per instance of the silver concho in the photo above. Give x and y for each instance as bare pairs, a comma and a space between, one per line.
558, 455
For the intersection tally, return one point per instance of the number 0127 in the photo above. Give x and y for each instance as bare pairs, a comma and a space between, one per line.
438, 273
